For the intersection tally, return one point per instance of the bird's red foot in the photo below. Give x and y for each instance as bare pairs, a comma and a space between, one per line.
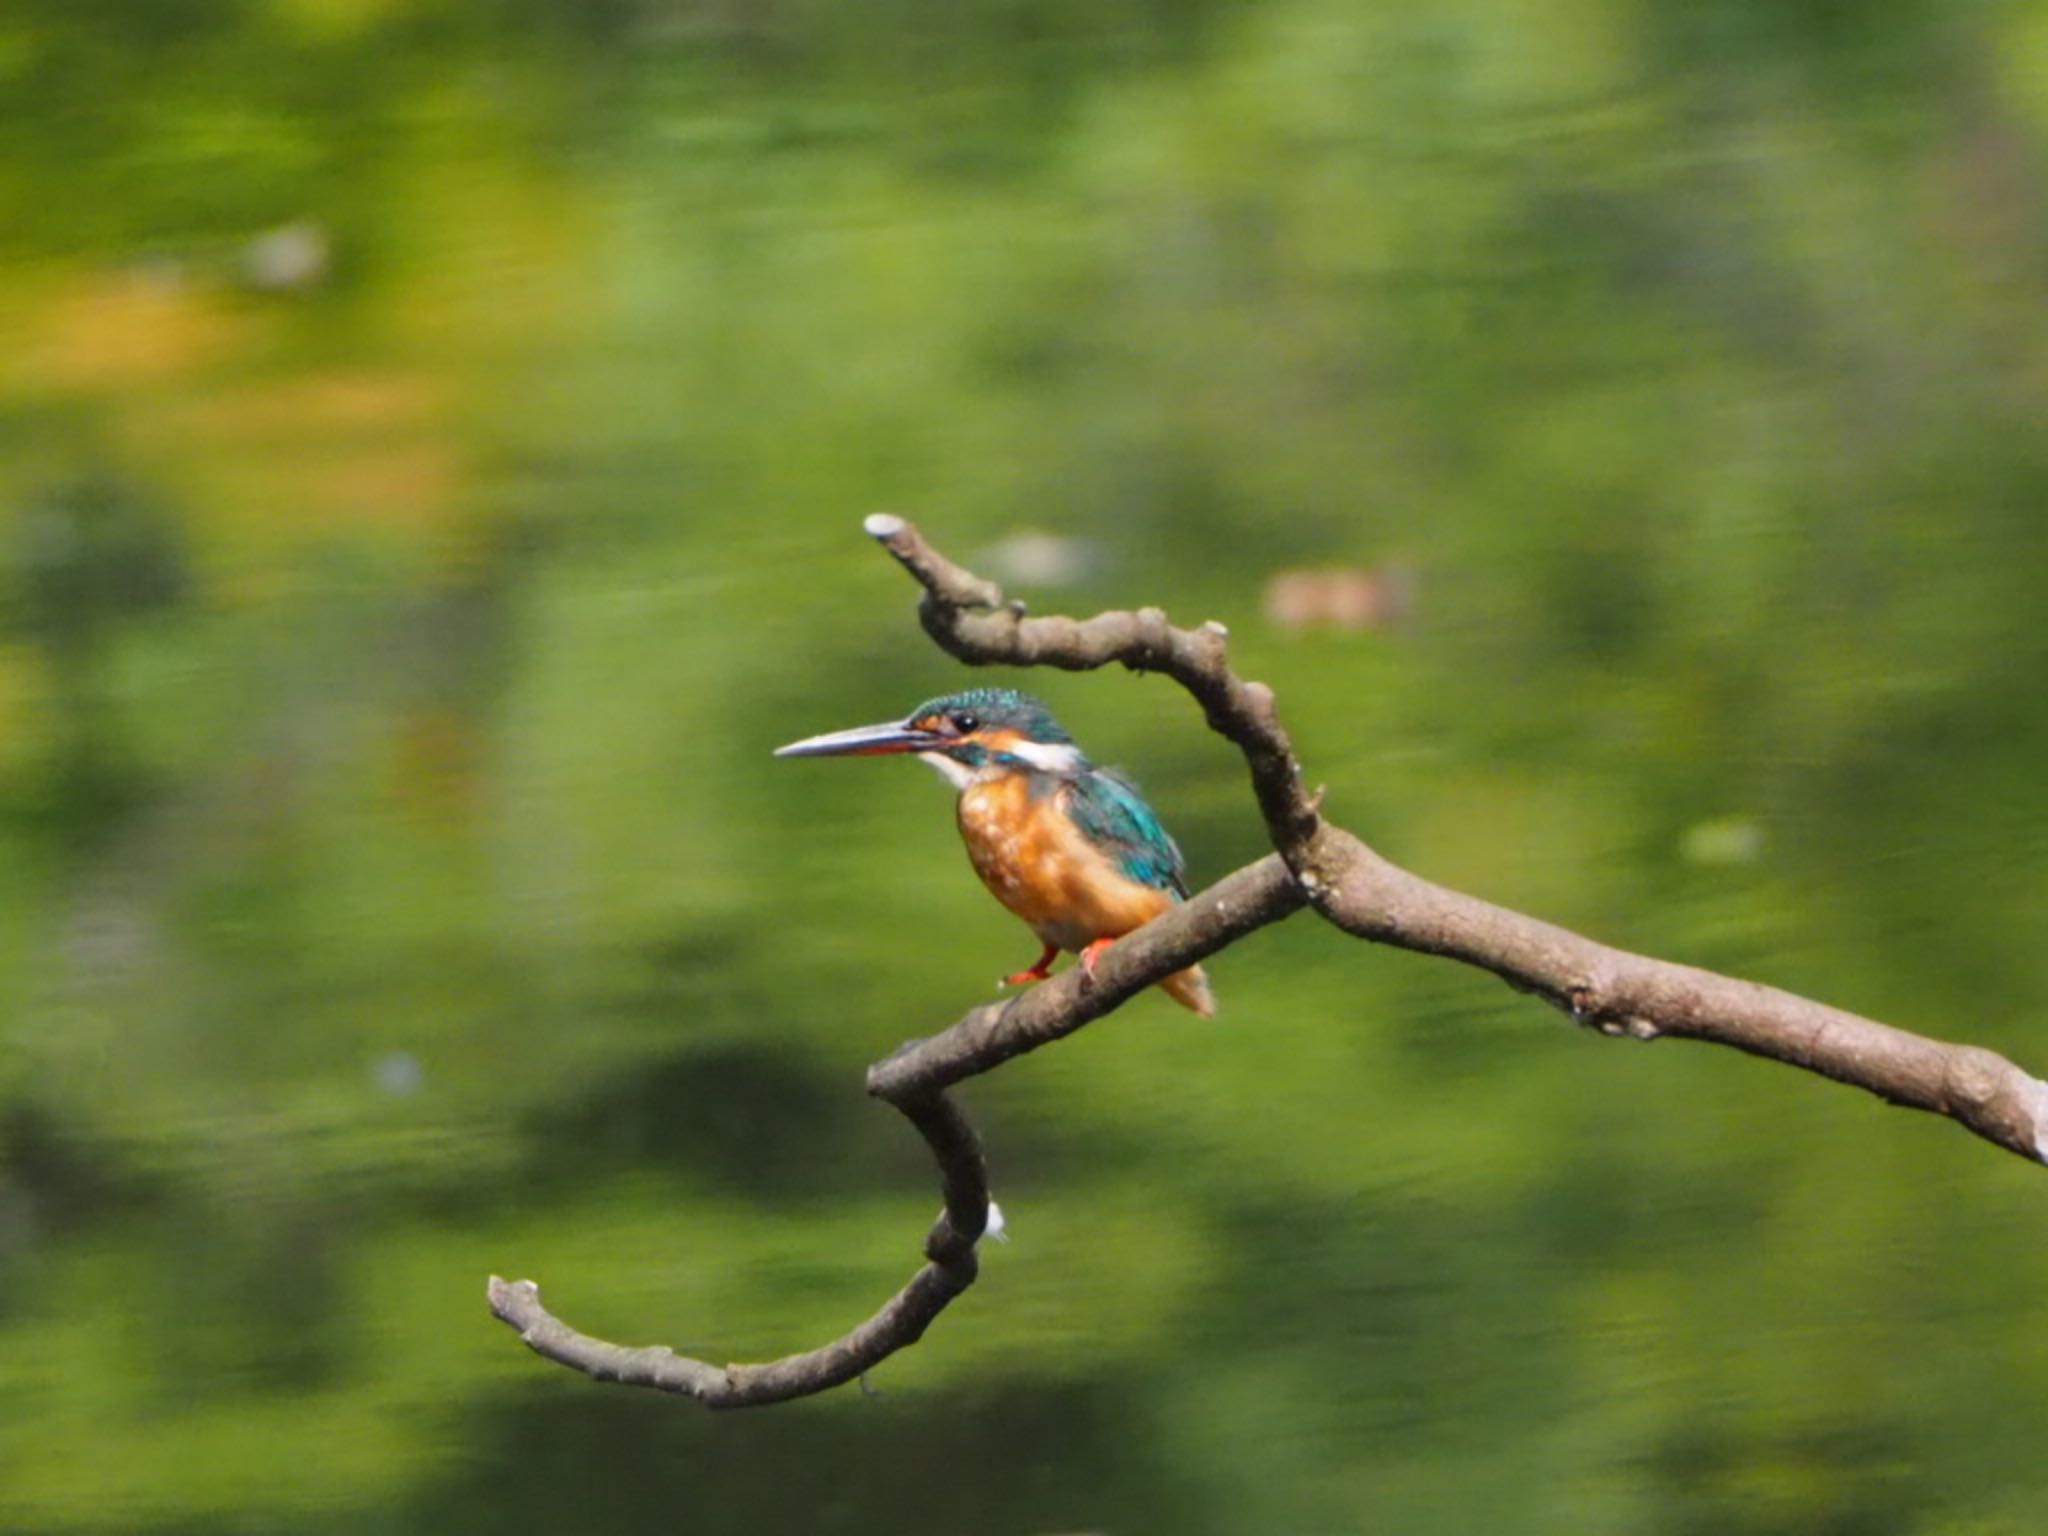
1037, 972
1093, 952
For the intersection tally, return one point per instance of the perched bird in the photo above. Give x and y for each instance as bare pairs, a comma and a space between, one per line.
1071, 848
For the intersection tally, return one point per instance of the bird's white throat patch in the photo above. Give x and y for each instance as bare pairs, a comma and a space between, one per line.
959, 775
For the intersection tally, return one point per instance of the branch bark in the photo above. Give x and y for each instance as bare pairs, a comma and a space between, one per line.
1315, 863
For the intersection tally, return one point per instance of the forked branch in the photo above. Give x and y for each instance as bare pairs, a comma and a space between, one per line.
1315, 863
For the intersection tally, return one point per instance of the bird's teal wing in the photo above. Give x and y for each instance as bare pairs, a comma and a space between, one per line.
1108, 808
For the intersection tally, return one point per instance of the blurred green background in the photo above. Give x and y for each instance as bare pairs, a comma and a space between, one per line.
433, 438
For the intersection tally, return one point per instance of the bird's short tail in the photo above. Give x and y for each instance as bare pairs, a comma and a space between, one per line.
1190, 988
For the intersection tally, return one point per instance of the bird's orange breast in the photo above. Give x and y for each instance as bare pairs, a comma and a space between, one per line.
1037, 863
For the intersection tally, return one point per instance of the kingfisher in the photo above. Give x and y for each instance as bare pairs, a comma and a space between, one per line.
1071, 848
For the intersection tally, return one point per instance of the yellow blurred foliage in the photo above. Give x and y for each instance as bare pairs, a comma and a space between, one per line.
123, 330
330, 404
281, 460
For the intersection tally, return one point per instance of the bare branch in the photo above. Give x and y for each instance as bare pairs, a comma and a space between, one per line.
913, 1079
1620, 993
1317, 863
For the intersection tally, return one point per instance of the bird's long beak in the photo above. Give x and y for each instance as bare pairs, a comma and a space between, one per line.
863, 741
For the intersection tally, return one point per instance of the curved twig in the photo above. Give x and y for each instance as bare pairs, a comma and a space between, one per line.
950, 1267
1316, 863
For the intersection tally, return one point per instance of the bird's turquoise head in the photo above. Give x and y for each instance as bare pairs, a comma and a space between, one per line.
975, 728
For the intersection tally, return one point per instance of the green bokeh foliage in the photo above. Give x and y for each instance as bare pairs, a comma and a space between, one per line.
396, 886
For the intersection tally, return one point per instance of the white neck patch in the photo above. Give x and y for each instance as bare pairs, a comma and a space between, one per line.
1045, 756
1048, 756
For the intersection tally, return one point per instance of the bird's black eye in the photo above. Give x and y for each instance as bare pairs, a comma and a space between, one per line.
965, 723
